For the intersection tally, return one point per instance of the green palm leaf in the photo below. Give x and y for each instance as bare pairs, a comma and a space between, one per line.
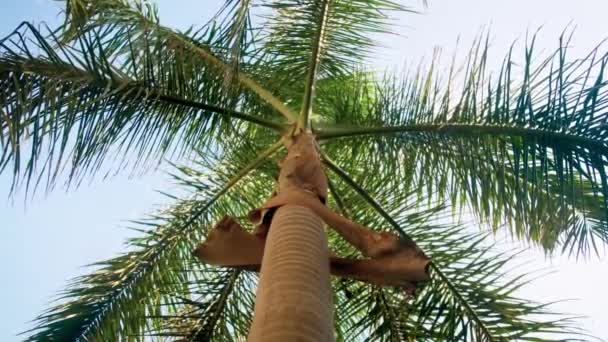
334, 35
470, 296
116, 299
128, 24
222, 313
321, 38
518, 153
76, 103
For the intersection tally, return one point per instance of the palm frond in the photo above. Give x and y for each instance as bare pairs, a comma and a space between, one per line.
508, 146
318, 43
240, 33
71, 101
118, 297
317, 38
470, 296
126, 23
220, 310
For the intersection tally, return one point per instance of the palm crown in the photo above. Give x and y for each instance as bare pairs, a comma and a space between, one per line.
523, 149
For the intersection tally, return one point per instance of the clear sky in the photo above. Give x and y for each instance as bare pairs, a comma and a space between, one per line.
46, 240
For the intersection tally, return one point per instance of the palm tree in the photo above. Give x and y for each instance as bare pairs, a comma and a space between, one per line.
385, 161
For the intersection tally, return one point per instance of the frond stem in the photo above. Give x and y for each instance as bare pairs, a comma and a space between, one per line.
245, 80
278, 127
205, 332
367, 197
464, 129
123, 86
315, 58
242, 173
346, 178
337, 198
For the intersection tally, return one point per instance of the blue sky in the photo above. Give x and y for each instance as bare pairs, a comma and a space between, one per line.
48, 239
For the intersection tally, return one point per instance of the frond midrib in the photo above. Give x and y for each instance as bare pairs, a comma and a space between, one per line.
315, 59
468, 130
131, 88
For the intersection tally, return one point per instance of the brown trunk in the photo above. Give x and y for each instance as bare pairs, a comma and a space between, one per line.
294, 300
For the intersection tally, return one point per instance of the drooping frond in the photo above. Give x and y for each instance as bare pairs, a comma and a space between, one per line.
231, 27
118, 298
99, 305
470, 296
72, 104
528, 149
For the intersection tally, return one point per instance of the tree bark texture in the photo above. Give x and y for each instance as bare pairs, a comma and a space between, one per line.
294, 298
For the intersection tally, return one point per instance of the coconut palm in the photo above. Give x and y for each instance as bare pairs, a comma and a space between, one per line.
521, 150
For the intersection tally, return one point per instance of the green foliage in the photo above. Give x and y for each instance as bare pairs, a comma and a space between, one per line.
470, 296
74, 102
524, 148
294, 34
122, 293
530, 154
222, 313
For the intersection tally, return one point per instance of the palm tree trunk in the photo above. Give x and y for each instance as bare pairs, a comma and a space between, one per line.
294, 300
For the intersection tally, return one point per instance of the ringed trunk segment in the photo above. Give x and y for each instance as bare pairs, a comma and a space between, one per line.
294, 298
